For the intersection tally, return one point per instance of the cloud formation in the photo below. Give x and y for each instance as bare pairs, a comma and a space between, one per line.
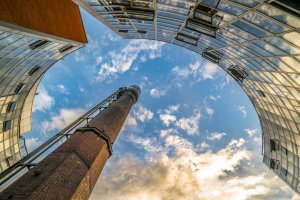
61, 120
120, 61
185, 174
157, 92
216, 136
242, 109
197, 70
43, 100
190, 124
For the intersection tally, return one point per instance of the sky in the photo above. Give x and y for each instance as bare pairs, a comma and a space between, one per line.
193, 134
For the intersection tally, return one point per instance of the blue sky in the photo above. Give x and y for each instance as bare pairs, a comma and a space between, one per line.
193, 134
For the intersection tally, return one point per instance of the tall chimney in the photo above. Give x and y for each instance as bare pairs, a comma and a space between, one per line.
71, 171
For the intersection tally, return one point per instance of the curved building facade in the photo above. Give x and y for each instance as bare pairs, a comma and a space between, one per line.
28, 47
256, 41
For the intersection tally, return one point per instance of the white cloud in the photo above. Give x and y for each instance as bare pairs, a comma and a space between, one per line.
148, 144
184, 175
216, 136
209, 110
214, 98
142, 114
167, 119
167, 116
209, 70
205, 71
120, 61
32, 143
190, 124
203, 145
62, 89
64, 118
164, 133
250, 132
242, 109
181, 72
156, 93
43, 100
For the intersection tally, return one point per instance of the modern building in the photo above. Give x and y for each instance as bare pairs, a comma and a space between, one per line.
33, 36
256, 41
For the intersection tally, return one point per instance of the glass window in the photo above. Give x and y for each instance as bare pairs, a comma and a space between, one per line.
34, 70
6, 125
38, 44
264, 23
280, 15
231, 9
248, 3
20, 87
11, 106
251, 29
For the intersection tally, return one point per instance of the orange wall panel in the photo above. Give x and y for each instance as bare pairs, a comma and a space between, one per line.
60, 18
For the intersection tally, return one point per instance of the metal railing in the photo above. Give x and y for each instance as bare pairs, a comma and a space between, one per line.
28, 161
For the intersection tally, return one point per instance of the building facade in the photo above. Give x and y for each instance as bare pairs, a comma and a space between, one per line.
256, 41
33, 36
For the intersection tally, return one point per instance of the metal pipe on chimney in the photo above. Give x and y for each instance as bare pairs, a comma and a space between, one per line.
72, 170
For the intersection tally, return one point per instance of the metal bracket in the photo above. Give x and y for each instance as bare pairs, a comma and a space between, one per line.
100, 133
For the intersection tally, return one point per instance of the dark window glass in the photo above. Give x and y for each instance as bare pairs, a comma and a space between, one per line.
123, 31
291, 6
34, 70
11, 106
201, 28
38, 44
19, 87
141, 31
261, 93
65, 48
274, 145
238, 73
283, 171
6, 125
213, 56
186, 38
284, 150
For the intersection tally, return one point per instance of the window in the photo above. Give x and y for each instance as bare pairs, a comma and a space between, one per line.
204, 14
200, 27
283, 171
238, 73
123, 31
19, 88
290, 6
261, 93
136, 13
284, 150
11, 106
38, 44
6, 125
274, 145
274, 164
186, 38
141, 31
34, 70
65, 48
212, 55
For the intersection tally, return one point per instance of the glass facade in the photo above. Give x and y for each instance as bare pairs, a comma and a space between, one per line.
256, 42
24, 58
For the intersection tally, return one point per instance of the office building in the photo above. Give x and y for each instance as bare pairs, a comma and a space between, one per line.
33, 36
256, 42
